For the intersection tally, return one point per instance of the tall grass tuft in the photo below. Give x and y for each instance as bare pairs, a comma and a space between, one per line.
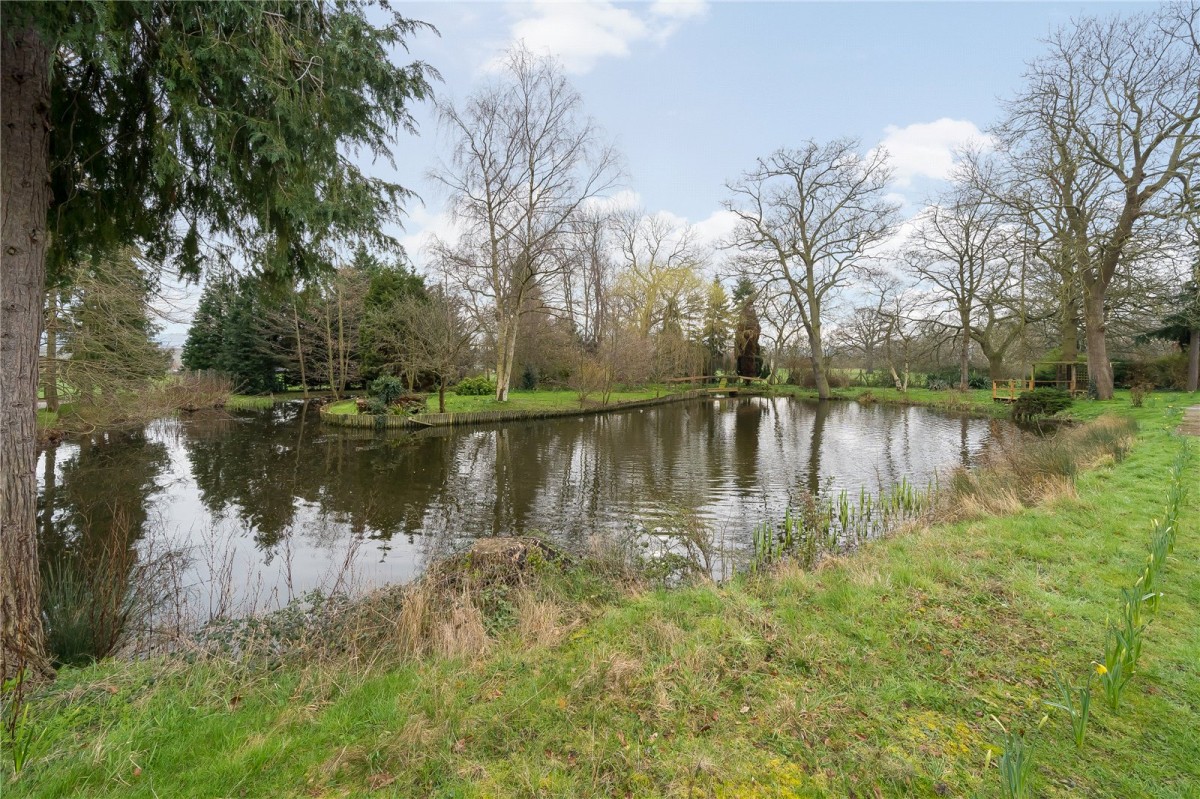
95, 598
1016, 766
1077, 702
1023, 471
1117, 669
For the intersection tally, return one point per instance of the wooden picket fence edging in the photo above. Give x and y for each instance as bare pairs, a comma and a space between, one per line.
425, 420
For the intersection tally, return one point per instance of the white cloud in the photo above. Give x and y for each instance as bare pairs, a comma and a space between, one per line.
623, 200
926, 149
716, 227
580, 34
426, 227
891, 247
679, 9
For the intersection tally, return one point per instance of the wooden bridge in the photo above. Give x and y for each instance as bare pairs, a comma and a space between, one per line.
1070, 376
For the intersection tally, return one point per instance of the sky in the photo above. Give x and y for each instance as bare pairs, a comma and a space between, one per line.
691, 92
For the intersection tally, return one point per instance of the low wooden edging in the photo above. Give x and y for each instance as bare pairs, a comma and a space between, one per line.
488, 417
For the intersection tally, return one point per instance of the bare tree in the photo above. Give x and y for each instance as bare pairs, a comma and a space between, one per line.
525, 160
864, 331
902, 333
441, 334
659, 263
1113, 111
961, 246
809, 218
587, 278
335, 318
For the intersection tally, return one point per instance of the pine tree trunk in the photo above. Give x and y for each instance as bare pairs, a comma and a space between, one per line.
25, 193
1099, 369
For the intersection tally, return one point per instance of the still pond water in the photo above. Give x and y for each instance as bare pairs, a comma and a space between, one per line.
275, 503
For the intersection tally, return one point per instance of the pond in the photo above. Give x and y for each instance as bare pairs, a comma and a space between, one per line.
270, 504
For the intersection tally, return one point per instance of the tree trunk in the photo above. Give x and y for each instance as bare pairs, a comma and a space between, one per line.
1099, 369
1068, 334
506, 347
343, 361
299, 349
25, 193
818, 361
442, 395
329, 355
964, 359
995, 365
1193, 376
50, 373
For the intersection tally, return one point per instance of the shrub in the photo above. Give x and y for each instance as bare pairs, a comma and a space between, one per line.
1041, 402
877, 379
807, 379
942, 379
529, 378
1138, 392
475, 387
387, 389
1168, 372
374, 406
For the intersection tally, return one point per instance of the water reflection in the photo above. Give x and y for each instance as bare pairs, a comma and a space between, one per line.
283, 497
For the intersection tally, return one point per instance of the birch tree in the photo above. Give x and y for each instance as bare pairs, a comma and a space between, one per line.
524, 162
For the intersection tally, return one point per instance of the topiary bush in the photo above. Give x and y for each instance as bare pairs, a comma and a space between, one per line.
475, 387
1041, 402
387, 389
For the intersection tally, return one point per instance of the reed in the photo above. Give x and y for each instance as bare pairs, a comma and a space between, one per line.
825, 524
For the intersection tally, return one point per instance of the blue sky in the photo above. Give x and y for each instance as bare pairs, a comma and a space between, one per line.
692, 92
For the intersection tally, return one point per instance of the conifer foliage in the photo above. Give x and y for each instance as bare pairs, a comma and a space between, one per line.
193, 130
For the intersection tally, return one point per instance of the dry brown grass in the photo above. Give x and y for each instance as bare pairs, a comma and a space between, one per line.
1021, 472
539, 620
621, 673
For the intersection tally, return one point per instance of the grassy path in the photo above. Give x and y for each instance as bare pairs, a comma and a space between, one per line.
876, 676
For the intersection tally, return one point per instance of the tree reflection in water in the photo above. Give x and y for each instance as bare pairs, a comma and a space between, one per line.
286, 495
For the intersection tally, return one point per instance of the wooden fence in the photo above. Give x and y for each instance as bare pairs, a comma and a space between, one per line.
490, 417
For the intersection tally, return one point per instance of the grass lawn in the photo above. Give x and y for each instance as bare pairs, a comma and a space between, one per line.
520, 401
876, 676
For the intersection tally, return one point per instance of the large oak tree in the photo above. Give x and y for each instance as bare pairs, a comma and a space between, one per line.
808, 220
1109, 120
179, 127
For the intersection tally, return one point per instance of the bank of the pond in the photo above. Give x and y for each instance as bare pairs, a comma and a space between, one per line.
521, 406
531, 405
877, 675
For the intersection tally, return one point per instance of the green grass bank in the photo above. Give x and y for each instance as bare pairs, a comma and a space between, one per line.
875, 676
520, 400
